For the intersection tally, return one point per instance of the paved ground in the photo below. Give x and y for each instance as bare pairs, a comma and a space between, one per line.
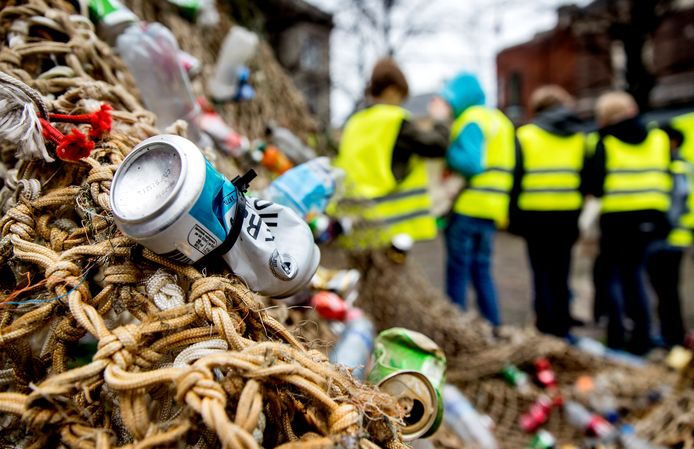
513, 279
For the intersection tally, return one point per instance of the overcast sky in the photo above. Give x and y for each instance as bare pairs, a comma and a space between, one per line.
427, 61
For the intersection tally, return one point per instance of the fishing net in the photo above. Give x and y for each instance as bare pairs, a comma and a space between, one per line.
395, 293
105, 344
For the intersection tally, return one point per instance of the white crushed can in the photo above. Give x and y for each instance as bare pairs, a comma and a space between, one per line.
168, 198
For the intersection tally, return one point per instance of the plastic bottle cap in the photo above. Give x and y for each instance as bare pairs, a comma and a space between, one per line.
402, 242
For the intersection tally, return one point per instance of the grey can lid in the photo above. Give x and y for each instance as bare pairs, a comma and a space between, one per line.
146, 182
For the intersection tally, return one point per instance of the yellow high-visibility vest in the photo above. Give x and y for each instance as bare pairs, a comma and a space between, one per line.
685, 125
384, 206
552, 166
487, 194
637, 175
681, 234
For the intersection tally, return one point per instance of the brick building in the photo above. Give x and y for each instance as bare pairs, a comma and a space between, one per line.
582, 54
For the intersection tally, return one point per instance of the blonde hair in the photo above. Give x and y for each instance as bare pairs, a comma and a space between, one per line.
613, 107
550, 96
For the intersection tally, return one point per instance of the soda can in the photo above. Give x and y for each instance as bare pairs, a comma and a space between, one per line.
543, 440
162, 197
111, 18
412, 368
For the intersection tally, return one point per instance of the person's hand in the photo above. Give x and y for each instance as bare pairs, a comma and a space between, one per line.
439, 109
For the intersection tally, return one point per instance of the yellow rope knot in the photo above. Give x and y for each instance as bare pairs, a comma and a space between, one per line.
344, 419
120, 346
124, 274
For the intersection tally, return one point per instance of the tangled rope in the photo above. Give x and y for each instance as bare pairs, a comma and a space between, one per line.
103, 344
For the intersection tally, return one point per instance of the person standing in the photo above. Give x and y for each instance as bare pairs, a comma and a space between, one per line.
548, 180
482, 151
664, 263
630, 174
382, 153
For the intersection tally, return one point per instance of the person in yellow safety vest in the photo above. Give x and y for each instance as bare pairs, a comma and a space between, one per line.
547, 201
685, 124
664, 263
382, 153
630, 174
482, 150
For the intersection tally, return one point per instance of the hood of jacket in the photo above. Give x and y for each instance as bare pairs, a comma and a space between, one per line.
462, 92
560, 121
631, 131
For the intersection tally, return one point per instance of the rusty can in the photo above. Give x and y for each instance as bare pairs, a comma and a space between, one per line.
168, 198
412, 368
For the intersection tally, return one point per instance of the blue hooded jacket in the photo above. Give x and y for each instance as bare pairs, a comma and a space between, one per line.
466, 153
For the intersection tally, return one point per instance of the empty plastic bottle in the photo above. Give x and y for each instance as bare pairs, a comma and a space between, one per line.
629, 439
354, 346
290, 144
581, 418
151, 53
238, 47
465, 421
306, 188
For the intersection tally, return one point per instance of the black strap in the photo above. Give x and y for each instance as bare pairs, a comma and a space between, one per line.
241, 183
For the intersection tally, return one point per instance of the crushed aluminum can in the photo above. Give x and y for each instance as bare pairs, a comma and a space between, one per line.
412, 368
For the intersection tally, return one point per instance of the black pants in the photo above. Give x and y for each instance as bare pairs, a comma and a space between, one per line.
664, 266
550, 260
623, 257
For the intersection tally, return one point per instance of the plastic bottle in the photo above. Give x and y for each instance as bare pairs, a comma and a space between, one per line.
238, 47
580, 418
465, 421
151, 53
290, 144
629, 439
543, 440
353, 348
306, 188
225, 138
603, 401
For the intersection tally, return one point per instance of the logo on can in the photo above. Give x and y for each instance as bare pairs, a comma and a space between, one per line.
412, 368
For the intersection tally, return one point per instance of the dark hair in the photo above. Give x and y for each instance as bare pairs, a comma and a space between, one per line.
386, 73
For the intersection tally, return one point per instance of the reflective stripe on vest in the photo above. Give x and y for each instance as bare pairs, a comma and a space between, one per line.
637, 175
382, 206
552, 166
681, 236
487, 195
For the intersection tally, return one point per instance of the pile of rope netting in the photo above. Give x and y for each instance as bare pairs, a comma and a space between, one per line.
397, 294
182, 357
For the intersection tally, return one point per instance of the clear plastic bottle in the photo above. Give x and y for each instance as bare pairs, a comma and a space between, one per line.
581, 418
151, 53
354, 346
306, 188
238, 47
290, 144
629, 439
465, 421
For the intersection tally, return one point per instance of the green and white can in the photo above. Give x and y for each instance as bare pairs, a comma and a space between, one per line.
412, 368
111, 17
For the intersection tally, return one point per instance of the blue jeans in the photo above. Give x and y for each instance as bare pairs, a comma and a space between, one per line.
469, 244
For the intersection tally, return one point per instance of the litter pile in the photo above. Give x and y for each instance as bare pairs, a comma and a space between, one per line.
106, 344
481, 362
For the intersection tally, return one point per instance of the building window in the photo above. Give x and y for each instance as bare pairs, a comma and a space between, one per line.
515, 89
312, 53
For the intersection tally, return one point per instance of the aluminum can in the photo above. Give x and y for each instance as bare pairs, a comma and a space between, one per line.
353, 348
412, 368
111, 17
162, 197
543, 440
